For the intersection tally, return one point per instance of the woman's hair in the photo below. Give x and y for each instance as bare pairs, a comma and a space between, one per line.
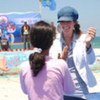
41, 36
77, 28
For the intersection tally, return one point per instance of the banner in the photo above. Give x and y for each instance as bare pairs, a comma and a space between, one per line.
11, 23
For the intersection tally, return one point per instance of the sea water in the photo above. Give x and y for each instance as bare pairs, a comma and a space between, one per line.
96, 42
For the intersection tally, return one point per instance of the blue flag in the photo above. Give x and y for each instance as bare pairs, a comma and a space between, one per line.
49, 3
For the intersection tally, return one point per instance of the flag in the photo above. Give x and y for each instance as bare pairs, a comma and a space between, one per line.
49, 3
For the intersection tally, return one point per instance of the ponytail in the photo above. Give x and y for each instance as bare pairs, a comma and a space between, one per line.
37, 61
77, 28
41, 38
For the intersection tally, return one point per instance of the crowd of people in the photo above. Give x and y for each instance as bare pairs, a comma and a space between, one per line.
58, 68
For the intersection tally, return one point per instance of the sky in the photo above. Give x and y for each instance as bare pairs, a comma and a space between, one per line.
89, 10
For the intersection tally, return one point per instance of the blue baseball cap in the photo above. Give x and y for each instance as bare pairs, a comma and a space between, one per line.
67, 14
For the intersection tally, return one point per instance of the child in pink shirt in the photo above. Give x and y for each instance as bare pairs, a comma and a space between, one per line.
44, 78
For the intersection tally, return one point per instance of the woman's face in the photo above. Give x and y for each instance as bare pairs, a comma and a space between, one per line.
67, 27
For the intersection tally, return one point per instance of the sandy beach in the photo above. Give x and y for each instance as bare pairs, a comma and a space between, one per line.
97, 51
10, 85
10, 88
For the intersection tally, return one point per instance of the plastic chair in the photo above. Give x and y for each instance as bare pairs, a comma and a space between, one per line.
72, 98
93, 96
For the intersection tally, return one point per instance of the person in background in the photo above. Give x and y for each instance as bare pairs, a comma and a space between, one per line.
0, 34
44, 78
5, 46
75, 47
25, 31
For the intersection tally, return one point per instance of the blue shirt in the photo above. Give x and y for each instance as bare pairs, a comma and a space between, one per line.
80, 87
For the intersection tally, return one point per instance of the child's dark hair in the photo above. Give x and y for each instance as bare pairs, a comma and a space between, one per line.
41, 36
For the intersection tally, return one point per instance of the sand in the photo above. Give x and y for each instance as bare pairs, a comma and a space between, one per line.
10, 87
97, 51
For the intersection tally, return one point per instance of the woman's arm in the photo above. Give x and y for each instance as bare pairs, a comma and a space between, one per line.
89, 50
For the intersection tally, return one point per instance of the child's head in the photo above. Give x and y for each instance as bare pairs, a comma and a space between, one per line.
42, 35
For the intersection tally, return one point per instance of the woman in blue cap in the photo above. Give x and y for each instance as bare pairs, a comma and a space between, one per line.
75, 47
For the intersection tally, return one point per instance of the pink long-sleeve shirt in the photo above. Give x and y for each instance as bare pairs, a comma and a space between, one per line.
51, 82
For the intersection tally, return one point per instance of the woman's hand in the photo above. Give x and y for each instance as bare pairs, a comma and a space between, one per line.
64, 53
91, 33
